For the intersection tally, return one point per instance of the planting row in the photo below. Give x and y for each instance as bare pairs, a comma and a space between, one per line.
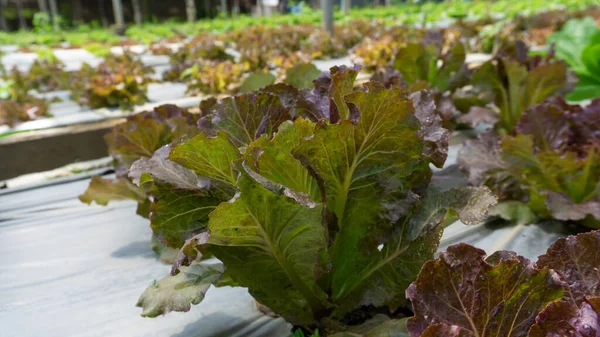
323, 203
89, 36
245, 60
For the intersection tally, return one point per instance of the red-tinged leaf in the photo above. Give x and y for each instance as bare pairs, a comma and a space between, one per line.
479, 115
576, 260
497, 296
443, 330
548, 123
432, 132
103, 190
566, 319
146, 132
246, 117
326, 99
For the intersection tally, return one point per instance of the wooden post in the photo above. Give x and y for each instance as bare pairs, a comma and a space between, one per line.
118, 11
346, 6
327, 8
22, 23
55, 18
137, 12
190, 9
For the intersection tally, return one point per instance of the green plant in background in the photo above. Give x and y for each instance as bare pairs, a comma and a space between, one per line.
98, 49
42, 23
45, 74
210, 77
578, 44
425, 66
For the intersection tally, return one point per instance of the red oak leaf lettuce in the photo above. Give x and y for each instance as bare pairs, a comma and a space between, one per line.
463, 293
328, 216
550, 165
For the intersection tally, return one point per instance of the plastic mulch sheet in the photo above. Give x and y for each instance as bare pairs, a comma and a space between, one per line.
69, 269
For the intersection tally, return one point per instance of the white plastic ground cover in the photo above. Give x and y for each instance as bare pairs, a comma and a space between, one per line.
68, 269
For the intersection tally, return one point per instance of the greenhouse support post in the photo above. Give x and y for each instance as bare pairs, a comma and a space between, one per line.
20, 15
224, 6
190, 9
346, 6
327, 7
43, 6
118, 11
3, 24
55, 18
137, 12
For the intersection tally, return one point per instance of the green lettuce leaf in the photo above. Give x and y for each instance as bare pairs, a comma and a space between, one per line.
272, 158
419, 63
573, 37
211, 157
364, 171
302, 75
329, 217
246, 117
284, 246
516, 88
178, 214
257, 80
578, 44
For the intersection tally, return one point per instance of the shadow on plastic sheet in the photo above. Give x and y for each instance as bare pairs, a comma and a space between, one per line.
235, 327
134, 249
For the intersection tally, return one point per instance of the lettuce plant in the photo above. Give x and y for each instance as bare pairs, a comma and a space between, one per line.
464, 293
426, 64
16, 104
203, 47
214, 77
516, 82
13, 112
548, 169
43, 76
334, 207
119, 81
423, 66
578, 44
